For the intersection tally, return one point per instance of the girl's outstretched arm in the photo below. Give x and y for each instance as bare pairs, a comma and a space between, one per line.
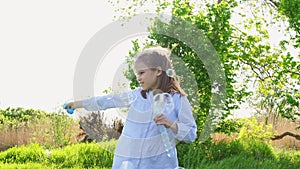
104, 102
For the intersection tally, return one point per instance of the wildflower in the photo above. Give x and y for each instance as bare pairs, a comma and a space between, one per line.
48, 152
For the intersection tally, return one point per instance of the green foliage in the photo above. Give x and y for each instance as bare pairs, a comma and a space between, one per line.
288, 158
60, 122
252, 130
129, 73
228, 126
291, 9
15, 117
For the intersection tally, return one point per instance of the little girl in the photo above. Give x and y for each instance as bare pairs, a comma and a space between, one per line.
140, 145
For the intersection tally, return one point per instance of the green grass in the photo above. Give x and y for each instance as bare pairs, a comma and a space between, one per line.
238, 155
84, 155
41, 166
224, 155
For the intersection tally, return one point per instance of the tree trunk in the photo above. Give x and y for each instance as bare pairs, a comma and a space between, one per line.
280, 136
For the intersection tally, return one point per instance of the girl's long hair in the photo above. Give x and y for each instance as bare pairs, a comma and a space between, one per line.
154, 57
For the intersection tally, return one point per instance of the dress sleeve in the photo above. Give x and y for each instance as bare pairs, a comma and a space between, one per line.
109, 101
187, 127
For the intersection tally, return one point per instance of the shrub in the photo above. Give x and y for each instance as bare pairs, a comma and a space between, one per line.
253, 130
98, 130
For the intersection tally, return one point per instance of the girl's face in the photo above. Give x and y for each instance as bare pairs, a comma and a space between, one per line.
147, 77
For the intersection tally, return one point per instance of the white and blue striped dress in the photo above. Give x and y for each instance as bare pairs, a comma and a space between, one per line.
140, 145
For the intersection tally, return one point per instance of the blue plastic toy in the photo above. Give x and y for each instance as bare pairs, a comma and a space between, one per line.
69, 109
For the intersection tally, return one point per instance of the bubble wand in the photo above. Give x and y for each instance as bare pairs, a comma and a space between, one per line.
163, 103
69, 109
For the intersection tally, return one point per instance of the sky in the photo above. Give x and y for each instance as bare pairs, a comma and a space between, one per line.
40, 43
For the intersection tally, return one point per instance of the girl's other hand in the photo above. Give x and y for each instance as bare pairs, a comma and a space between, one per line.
161, 119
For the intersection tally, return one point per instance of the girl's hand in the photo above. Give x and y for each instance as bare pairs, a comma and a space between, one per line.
161, 119
74, 105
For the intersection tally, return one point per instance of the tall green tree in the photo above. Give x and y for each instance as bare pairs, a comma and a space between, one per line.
245, 51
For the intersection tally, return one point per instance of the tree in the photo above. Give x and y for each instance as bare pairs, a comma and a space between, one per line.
244, 51
276, 69
291, 10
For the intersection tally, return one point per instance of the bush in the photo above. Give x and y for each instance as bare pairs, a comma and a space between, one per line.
253, 130
98, 130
